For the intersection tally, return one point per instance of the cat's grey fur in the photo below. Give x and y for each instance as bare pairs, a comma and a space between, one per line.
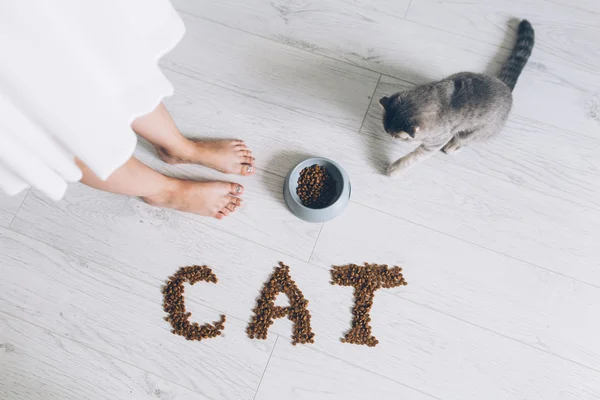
463, 108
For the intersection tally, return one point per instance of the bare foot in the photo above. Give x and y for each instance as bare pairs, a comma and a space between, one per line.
209, 199
227, 156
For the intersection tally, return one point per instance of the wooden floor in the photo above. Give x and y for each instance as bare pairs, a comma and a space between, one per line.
499, 244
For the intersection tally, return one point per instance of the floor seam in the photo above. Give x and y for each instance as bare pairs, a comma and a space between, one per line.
190, 75
477, 245
407, 9
572, 6
266, 366
316, 241
584, 68
373, 136
369, 105
373, 372
102, 352
280, 43
103, 265
502, 335
18, 209
497, 46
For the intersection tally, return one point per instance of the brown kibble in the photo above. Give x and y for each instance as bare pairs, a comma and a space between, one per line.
316, 188
266, 310
174, 304
365, 280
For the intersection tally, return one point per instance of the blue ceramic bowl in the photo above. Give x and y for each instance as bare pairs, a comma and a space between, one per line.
339, 204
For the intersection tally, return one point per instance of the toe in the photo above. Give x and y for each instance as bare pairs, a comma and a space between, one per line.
244, 152
231, 207
248, 160
247, 169
225, 211
219, 215
236, 189
237, 202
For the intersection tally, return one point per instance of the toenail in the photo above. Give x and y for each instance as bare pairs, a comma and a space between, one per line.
238, 189
249, 168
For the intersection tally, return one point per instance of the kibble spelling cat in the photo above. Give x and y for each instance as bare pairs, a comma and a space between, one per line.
454, 112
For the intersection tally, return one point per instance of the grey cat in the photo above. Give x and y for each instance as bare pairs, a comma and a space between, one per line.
463, 108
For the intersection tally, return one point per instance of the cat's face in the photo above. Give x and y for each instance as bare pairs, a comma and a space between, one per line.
399, 116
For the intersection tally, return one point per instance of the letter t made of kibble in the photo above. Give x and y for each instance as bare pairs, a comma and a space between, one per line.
365, 280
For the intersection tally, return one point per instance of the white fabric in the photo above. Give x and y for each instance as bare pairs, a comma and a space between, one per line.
74, 74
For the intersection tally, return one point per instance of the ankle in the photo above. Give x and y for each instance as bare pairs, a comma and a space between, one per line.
166, 194
182, 148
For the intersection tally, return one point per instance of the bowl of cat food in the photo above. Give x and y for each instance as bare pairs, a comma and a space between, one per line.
317, 190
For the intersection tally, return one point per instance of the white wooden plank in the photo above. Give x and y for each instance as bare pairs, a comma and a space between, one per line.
562, 75
370, 34
123, 318
559, 87
9, 206
273, 72
504, 217
37, 364
527, 153
448, 359
429, 351
564, 33
535, 306
301, 372
588, 5
421, 348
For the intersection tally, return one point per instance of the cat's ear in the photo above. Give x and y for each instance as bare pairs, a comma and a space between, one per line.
384, 101
412, 131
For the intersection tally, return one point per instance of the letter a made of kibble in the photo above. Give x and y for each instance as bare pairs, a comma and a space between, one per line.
366, 280
266, 310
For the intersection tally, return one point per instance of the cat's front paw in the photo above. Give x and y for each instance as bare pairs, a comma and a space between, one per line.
404, 136
452, 147
394, 171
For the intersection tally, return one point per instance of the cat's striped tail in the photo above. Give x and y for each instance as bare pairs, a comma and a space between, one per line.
518, 58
